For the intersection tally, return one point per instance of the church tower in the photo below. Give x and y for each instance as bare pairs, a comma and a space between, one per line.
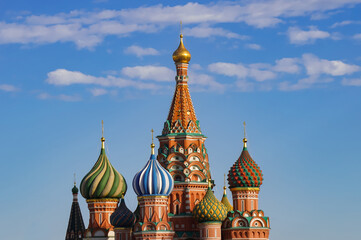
182, 151
76, 228
153, 184
247, 221
102, 188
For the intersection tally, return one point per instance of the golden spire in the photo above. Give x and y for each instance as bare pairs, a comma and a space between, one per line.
181, 55
152, 145
244, 139
224, 186
74, 180
102, 139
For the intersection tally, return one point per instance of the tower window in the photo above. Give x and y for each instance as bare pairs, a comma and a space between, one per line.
242, 205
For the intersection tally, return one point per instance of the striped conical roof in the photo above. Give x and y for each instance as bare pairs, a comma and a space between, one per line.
245, 172
103, 181
225, 201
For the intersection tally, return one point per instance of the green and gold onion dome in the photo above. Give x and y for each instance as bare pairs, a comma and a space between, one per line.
103, 181
209, 209
225, 200
181, 55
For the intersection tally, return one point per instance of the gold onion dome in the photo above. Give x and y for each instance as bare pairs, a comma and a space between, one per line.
181, 55
103, 181
209, 209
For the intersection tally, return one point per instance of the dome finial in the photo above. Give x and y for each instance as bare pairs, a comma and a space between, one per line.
244, 139
102, 139
152, 145
74, 180
224, 186
181, 55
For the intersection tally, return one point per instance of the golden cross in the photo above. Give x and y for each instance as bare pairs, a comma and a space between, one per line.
224, 179
74, 180
181, 27
102, 128
152, 134
244, 125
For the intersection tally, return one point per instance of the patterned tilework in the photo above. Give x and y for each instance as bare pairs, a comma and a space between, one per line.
245, 172
103, 181
209, 209
122, 216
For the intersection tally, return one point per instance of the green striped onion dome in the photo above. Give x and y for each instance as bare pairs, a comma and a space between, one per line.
245, 172
209, 209
225, 201
103, 181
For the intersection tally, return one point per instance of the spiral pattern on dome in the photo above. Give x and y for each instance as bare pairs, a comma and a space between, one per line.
122, 216
245, 172
209, 209
153, 179
103, 181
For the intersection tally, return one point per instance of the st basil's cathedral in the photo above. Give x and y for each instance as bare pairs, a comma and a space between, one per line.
174, 188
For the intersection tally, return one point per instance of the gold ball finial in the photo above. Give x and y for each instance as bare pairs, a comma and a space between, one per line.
181, 55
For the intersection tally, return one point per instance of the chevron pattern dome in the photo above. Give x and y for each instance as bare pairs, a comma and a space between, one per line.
245, 172
103, 181
153, 179
122, 216
209, 209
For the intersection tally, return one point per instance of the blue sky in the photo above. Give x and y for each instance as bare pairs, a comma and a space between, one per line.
290, 69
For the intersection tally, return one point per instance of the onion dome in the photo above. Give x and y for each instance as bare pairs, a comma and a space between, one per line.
209, 209
103, 181
225, 201
153, 179
75, 190
245, 172
181, 55
122, 216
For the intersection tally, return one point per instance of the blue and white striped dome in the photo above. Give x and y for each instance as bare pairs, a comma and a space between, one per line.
153, 179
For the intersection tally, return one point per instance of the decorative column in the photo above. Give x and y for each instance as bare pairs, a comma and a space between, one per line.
102, 188
246, 221
209, 214
182, 150
153, 184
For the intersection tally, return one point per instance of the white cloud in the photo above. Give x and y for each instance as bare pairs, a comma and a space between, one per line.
140, 52
259, 72
316, 66
351, 82
149, 72
61, 97
8, 88
98, 91
88, 29
287, 65
253, 46
206, 31
344, 23
357, 36
203, 82
63, 77
298, 36
229, 69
